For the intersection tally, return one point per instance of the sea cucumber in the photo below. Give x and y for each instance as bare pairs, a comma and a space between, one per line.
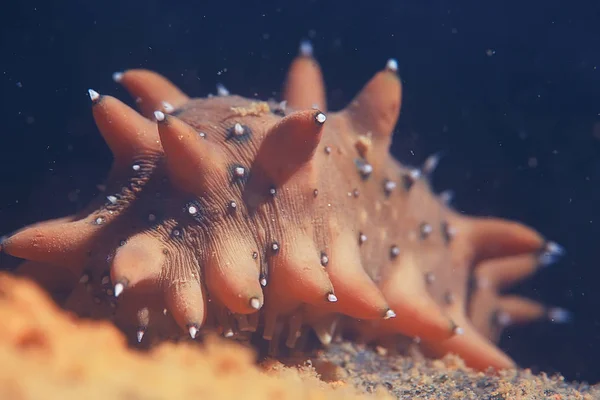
250, 217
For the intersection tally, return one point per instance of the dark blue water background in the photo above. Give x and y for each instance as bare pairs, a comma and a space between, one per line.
510, 89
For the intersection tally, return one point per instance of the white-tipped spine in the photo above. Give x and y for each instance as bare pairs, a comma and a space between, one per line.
559, 315
222, 90
117, 76
255, 303
193, 331
459, 331
168, 107
321, 118
306, 48
159, 115
392, 65
94, 96
118, 289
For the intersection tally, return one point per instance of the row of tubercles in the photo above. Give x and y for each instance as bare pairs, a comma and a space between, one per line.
289, 276
375, 111
270, 166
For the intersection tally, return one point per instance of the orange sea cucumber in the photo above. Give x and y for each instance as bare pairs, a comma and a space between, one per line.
245, 216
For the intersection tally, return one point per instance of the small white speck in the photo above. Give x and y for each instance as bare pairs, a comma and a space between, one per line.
239, 172
429, 277
135, 167
431, 164
426, 229
415, 173
503, 318
389, 186
332, 298
159, 115
117, 76
366, 169
389, 314
112, 199
263, 282
362, 238
238, 129
321, 118
192, 210
168, 107
255, 303
447, 196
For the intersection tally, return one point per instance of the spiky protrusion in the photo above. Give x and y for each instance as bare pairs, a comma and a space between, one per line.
223, 214
304, 87
151, 91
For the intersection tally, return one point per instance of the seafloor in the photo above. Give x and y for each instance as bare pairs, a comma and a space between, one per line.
46, 353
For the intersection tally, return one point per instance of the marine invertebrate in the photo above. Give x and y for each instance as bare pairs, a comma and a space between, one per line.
244, 216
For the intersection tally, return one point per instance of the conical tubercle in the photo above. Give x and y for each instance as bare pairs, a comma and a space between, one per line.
304, 87
138, 262
152, 91
57, 241
514, 310
477, 351
359, 296
125, 131
187, 303
193, 162
232, 273
375, 110
488, 238
404, 288
503, 272
290, 144
295, 272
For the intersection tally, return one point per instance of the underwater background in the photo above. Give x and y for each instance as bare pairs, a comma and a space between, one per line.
510, 91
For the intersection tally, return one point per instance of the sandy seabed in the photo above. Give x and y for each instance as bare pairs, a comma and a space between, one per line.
46, 353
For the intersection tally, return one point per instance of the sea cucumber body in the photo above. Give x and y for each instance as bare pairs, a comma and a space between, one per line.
251, 217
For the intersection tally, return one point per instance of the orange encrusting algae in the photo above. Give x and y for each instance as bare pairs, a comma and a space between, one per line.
247, 217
